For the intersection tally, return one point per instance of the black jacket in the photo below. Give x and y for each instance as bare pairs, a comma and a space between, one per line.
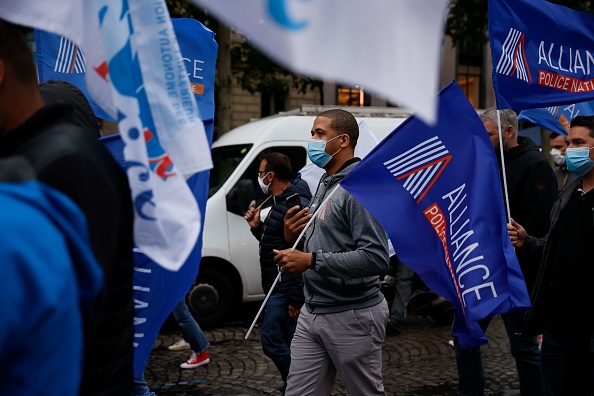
532, 190
72, 160
540, 248
270, 233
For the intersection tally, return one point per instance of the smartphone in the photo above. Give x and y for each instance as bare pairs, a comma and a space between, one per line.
294, 200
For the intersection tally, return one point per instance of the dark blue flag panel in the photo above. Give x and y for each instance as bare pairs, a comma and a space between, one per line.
543, 54
436, 191
557, 118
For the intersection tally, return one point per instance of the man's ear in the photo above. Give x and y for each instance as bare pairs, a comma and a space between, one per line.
346, 140
509, 131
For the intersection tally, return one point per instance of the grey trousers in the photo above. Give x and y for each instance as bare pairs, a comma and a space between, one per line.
349, 343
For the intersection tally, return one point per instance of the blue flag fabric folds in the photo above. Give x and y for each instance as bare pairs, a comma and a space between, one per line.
542, 54
60, 59
436, 191
557, 118
157, 290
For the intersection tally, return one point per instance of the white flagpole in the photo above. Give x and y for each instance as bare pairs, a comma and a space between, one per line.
279, 274
506, 195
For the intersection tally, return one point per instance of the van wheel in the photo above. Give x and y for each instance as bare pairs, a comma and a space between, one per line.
211, 298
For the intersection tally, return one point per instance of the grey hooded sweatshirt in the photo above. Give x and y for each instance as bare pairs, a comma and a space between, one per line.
351, 251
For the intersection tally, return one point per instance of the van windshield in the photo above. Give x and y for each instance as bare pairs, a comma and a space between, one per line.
225, 160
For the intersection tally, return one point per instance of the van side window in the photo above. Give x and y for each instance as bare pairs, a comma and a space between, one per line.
224, 160
247, 189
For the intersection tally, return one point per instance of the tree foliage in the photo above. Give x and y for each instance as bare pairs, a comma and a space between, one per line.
255, 72
467, 19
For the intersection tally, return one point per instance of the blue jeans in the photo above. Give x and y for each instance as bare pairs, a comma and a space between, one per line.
191, 332
141, 388
524, 349
567, 364
277, 333
402, 287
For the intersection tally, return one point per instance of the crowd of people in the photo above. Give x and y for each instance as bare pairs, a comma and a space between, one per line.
321, 256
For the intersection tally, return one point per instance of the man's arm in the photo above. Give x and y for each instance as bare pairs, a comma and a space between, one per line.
370, 256
528, 245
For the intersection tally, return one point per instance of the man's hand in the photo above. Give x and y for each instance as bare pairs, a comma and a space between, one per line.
252, 216
295, 222
292, 261
516, 233
294, 312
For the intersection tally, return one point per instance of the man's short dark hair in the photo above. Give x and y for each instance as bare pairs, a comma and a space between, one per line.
343, 122
15, 52
584, 121
279, 163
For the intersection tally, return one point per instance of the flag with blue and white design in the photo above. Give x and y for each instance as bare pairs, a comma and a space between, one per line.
436, 191
557, 118
542, 54
61, 59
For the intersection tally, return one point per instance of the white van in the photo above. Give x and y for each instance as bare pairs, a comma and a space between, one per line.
230, 267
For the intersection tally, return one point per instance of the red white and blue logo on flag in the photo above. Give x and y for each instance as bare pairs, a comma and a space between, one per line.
60, 59
437, 193
543, 54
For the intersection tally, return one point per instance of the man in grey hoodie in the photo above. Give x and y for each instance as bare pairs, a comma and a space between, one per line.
342, 256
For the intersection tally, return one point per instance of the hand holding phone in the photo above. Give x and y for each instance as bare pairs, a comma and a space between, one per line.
294, 200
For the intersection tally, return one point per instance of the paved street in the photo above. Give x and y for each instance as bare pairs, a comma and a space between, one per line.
417, 362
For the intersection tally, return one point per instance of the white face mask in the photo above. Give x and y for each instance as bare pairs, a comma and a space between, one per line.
263, 187
558, 158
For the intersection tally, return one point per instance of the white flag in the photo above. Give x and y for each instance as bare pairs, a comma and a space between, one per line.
136, 73
389, 47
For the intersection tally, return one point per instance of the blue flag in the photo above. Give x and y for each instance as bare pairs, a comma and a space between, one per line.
437, 193
199, 52
60, 59
543, 54
157, 290
557, 118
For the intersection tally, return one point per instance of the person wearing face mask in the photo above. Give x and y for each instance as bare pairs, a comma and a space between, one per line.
563, 293
284, 304
532, 191
558, 146
342, 256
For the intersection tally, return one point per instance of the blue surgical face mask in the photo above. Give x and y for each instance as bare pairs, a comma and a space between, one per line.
578, 160
316, 151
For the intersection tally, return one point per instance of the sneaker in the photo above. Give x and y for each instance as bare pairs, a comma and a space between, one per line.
196, 360
180, 345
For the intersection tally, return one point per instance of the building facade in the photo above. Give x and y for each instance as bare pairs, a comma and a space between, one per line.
471, 69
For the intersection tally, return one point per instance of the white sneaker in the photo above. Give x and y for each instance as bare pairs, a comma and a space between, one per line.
180, 345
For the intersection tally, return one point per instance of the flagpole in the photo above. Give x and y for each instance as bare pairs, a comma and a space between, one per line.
506, 196
279, 274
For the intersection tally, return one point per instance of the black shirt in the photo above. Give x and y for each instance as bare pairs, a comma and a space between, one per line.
570, 288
